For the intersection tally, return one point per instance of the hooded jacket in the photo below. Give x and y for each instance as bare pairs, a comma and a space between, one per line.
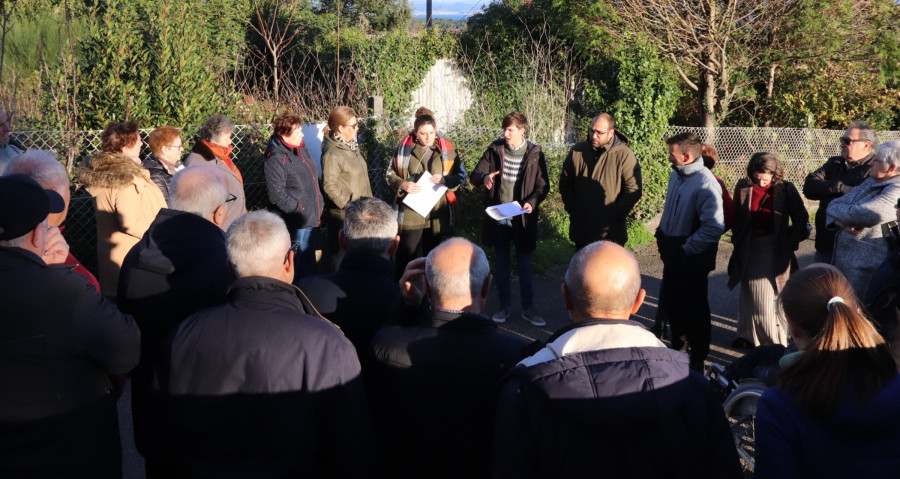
125, 201
599, 187
345, 176
178, 268
292, 184
606, 398
857, 440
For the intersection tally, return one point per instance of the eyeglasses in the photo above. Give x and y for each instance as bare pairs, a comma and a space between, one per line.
177, 147
597, 133
355, 125
846, 141
295, 247
231, 197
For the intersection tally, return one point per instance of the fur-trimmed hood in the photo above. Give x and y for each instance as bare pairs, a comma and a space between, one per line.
108, 170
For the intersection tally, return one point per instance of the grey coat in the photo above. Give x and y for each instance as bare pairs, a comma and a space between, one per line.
867, 207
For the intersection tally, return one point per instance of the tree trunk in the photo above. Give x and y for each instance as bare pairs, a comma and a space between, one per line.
709, 102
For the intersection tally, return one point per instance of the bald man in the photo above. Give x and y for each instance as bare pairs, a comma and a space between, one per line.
605, 397
437, 378
178, 268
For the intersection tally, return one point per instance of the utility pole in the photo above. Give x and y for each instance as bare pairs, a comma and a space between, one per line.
428, 14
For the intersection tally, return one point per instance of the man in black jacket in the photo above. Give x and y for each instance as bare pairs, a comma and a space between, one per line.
359, 296
606, 398
436, 379
178, 268
61, 341
837, 177
263, 386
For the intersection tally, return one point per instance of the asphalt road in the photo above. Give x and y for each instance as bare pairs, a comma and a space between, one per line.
548, 300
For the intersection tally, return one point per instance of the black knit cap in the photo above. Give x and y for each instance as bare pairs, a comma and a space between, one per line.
24, 204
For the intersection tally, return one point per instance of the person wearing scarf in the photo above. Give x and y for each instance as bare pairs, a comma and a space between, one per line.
214, 147
424, 151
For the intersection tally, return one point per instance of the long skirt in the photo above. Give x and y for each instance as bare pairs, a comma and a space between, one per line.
758, 321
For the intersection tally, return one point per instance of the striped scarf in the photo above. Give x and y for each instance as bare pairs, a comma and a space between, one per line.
400, 165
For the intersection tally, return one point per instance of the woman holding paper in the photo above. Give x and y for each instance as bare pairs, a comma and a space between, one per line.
513, 169
425, 156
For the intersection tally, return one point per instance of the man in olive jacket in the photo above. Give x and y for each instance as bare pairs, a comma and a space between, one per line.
600, 183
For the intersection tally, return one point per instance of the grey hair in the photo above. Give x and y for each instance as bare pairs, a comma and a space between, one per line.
198, 190
42, 166
370, 225
613, 298
215, 126
889, 153
866, 132
257, 243
467, 284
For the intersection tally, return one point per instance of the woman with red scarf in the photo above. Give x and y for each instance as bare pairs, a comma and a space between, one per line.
770, 222
423, 152
214, 147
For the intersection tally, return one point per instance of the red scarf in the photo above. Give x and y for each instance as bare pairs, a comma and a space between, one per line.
224, 153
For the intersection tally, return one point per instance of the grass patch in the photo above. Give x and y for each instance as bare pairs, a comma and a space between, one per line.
638, 235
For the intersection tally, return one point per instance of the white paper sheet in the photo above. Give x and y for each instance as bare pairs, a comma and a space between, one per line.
428, 196
506, 210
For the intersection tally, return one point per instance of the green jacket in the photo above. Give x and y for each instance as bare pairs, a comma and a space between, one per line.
599, 189
439, 219
345, 176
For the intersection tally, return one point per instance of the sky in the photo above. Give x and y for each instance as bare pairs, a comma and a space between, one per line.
455, 9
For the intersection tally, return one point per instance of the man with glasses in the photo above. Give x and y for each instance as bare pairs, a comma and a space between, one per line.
178, 268
165, 157
263, 386
837, 177
600, 183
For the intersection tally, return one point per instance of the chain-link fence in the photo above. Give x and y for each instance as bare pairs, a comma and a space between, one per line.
800, 150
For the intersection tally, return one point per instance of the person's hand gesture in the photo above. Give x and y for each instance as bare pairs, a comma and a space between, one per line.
412, 283
489, 179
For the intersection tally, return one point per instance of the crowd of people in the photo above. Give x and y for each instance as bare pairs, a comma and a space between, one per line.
245, 363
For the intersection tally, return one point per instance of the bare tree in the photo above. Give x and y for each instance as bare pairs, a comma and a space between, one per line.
277, 36
7, 7
713, 44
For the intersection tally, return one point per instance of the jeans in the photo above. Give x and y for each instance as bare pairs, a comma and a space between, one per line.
305, 259
505, 235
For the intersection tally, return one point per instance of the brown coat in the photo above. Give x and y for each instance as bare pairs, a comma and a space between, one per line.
125, 202
791, 219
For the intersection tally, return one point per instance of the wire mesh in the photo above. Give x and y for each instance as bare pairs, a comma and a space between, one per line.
801, 151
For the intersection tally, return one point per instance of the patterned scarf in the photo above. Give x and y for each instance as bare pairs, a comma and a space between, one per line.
400, 165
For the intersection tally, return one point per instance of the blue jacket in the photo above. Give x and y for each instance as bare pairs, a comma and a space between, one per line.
292, 183
622, 412
692, 219
856, 441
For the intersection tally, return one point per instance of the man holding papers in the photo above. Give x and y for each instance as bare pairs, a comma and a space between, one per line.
513, 170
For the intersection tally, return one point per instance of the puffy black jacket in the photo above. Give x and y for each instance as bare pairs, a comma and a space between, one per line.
263, 386
625, 412
292, 182
178, 268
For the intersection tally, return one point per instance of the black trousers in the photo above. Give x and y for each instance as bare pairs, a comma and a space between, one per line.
684, 300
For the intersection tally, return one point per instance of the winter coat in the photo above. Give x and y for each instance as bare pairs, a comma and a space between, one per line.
159, 173
606, 398
358, 297
201, 155
178, 268
292, 184
858, 440
264, 387
439, 219
125, 201
61, 341
825, 185
791, 219
599, 188
882, 299
436, 393
868, 206
692, 220
345, 176
532, 187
